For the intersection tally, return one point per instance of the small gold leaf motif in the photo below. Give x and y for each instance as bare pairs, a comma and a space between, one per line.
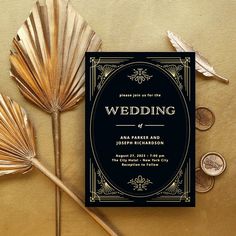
140, 75
140, 184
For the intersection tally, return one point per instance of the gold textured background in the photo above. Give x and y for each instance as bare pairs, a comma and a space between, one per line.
27, 202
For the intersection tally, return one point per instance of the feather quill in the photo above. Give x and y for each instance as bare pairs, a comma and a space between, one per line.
202, 64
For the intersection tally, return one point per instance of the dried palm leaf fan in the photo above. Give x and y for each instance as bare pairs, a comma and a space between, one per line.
18, 150
48, 60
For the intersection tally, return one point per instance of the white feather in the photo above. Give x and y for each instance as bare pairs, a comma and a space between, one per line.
202, 64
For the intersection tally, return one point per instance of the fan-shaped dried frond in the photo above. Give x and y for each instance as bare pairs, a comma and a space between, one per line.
48, 55
17, 145
17, 150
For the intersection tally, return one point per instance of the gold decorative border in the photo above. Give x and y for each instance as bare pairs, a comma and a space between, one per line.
93, 174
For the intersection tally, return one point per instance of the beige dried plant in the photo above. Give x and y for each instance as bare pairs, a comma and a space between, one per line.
47, 61
18, 150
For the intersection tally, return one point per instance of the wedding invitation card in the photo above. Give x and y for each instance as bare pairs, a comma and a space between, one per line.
140, 129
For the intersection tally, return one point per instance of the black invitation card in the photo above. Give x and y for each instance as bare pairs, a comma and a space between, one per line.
140, 129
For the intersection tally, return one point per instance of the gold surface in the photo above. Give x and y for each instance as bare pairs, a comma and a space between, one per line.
27, 202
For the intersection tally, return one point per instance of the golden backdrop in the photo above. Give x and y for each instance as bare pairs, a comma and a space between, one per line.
27, 202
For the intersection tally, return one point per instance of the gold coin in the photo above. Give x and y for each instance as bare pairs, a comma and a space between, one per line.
213, 164
204, 182
205, 118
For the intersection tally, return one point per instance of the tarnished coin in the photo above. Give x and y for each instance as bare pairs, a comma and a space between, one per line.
213, 163
204, 182
205, 118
